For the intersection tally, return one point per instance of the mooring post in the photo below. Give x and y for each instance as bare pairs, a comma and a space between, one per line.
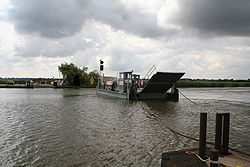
214, 157
203, 135
225, 139
218, 132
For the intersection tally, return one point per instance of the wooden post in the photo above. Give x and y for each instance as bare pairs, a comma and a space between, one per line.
203, 135
218, 132
225, 140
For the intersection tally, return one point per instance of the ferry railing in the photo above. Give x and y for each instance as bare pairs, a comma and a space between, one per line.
150, 72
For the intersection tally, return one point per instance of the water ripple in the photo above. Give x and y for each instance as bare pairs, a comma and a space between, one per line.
74, 127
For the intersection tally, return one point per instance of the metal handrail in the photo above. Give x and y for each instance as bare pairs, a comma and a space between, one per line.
150, 71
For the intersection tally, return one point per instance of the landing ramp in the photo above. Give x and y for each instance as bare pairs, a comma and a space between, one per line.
161, 82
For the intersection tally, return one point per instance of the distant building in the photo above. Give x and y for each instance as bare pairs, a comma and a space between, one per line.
10, 82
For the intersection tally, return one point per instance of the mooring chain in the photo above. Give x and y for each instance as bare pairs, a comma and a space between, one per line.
186, 97
186, 136
232, 149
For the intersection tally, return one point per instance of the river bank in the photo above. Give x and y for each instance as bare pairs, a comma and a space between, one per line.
212, 83
43, 86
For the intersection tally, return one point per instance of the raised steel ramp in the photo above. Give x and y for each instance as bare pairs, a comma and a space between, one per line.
161, 82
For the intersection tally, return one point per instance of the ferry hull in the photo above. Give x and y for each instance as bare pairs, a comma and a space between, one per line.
129, 87
112, 93
159, 96
144, 96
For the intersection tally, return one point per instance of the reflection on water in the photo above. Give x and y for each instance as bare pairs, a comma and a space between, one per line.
75, 127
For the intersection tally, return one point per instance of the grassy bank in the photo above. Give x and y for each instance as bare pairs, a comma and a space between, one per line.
213, 83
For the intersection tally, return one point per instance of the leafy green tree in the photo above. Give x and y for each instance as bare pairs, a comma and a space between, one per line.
73, 76
94, 75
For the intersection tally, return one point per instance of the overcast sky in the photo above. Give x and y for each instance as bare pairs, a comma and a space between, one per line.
203, 38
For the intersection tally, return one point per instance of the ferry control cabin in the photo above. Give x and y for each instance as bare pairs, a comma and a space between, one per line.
131, 87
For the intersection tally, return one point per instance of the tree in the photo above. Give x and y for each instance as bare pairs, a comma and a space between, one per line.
72, 75
94, 75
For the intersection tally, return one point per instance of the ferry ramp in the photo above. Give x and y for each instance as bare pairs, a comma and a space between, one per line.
161, 82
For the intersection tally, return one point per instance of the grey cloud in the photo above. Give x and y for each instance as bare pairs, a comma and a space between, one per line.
119, 17
52, 19
55, 19
125, 59
1, 16
214, 17
38, 46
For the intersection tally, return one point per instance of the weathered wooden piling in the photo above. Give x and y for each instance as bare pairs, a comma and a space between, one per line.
203, 135
205, 157
218, 131
222, 133
225, 140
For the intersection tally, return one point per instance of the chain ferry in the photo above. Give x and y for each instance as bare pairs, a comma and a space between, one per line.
154, 86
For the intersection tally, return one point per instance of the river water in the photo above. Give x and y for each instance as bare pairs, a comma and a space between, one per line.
75, 127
